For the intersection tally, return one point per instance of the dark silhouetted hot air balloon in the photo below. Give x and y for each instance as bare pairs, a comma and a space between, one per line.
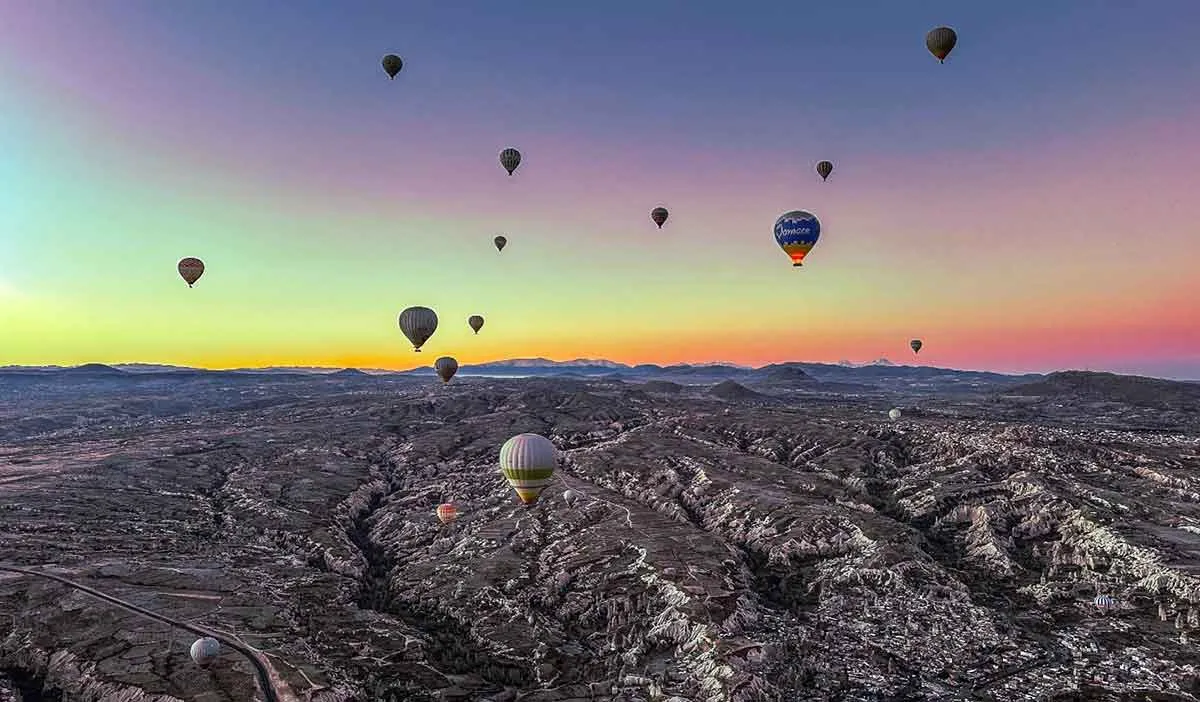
446, 367
941, 41
418, 324
205, 650
191, 269
475, 322
915, 345
500, 242
528, 462
392, 65
824, 168
510, 158
659, 215
447, 512
797, 232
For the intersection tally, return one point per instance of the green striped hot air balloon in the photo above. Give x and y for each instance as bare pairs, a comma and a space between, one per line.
528, 462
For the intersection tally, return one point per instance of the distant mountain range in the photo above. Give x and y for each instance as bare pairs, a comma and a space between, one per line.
727, 380
698, 373
790, 372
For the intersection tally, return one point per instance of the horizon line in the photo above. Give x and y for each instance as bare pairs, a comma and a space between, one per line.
597, 361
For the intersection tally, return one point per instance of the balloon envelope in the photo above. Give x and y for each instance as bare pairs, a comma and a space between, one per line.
204, 650
659, 215
447, 513
570, 497
510, 158
528, 462
190, 269
915, 345
824, 168
501, 242
797, 233
941, 41
894, 414
446, 367
418, 324
392, 65
475, 322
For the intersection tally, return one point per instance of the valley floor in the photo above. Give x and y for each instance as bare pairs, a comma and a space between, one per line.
800, 549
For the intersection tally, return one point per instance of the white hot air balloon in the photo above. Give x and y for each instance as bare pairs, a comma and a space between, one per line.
418, 324
570, 497
205, 650
528, 462
893, 414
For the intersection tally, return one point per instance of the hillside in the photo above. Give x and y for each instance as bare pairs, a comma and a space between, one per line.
784, 373
1133, 390
730, 390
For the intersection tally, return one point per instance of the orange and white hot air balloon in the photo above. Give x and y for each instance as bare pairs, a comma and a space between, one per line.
447, 513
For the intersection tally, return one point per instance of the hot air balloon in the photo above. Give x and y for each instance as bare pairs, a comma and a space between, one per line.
824, 168
1104, 603
418, 324
205, 650
797, 232
446, 367
915, 345
940, 41
191, 269
392, 65
500, 241
510, 158
475, 322
570, 497
447, 513
893, 414
659, 215
528, 462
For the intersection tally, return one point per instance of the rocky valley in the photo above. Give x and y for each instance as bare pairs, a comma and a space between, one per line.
739, 537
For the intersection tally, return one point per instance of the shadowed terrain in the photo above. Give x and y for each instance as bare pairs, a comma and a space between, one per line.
744, 535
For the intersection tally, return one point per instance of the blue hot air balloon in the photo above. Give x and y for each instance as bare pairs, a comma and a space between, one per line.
797, 232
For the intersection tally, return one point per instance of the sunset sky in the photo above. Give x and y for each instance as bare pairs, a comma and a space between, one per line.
1033, 204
